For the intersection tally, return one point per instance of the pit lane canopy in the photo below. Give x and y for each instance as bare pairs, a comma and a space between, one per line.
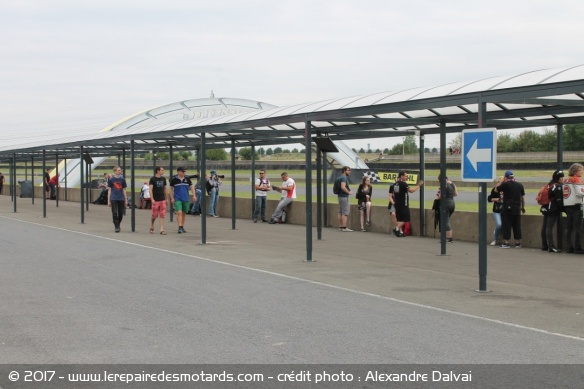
534, 99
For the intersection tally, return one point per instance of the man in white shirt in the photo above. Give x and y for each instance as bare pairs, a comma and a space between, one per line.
288, 190
262, 187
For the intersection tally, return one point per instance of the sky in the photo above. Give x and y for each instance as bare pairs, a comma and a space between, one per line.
70, 65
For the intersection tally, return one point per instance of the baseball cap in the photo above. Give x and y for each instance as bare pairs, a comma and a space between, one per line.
508, 174
213, 172
181, 169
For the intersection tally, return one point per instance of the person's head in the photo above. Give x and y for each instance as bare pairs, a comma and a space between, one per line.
284, 176
159, 170
117, 170
346, 170
440, 177
262, 173
573, 171
48, 170
213, 173
402, 176
366, 180
180, 171
500, 180
558, 176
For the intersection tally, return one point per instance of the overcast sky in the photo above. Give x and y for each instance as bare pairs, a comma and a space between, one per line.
69, 65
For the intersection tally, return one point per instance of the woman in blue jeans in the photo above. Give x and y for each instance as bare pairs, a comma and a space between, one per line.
497, 199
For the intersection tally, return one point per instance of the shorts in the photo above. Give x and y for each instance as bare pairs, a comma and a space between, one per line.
159, 209
181, 206
402, 214
392, 209
344, 205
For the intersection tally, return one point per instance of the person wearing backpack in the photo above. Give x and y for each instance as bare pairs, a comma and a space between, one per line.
552, 211
343, 195
449, 194
513, 207
574, 213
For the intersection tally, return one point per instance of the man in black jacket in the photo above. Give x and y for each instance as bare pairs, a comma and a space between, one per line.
513, 207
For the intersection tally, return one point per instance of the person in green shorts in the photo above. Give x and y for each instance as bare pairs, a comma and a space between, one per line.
179, 196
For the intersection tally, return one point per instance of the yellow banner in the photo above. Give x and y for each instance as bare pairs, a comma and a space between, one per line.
391, 177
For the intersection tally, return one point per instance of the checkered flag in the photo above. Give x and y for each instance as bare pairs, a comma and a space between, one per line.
373, 176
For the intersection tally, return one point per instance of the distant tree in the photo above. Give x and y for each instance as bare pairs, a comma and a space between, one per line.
456, 142
386, 151
303, 151
504, 143
245, 154
361, 150
574, 137
397, 149
216, 155
278, 150
426, 149
261, 151
269, 151
354, 150
286, 151
410, 146
377, 151
295, 150
434, 150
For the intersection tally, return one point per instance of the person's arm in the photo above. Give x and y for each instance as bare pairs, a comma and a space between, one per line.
455, 189
344, 188
109, 195
415, 188
151, 189
124, 187
259, 186
523, 204
194, 192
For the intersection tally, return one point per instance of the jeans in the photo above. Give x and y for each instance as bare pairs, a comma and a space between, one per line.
281, 205
213, 201
118, 209
197, 203
498, 223
574, 227
552, 218
260, 206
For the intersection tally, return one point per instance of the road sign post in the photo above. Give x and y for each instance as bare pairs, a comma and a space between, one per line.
479, 163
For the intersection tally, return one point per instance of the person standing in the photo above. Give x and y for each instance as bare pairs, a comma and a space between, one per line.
497, 199
214, 183
574, 213
450, 193
159, 198
391, 207
343, 196
179, 196
53, 185
117, 198
513, 207
2, 181
46, 180
262, 187
288, 190
401, 193
554, 208
364, 193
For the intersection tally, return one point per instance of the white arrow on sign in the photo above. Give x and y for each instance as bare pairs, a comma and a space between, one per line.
476, 155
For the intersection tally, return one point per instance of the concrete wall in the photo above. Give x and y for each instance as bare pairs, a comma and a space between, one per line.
464, 224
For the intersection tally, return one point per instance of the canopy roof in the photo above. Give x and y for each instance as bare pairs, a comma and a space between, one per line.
534, 99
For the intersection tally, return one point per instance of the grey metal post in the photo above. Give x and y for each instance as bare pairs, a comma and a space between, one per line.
482, 119
32, 176
132, 185
66, 189
422, 191
81, 200
171, 168
87, 185
124, 161
14, 181
44, 190
57, 186
233, 219
324, 190
253, 196
318, 194
308, 154
203, 190
560, 163
153, 163
442, 185
26, 171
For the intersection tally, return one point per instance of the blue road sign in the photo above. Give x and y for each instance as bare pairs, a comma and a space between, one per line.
479, 154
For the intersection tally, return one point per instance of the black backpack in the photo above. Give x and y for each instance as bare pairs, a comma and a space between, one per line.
337, 186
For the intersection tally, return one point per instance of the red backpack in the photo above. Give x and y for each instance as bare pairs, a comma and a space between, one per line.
543, 197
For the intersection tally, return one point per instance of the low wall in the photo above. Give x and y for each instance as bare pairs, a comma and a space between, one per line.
464, 224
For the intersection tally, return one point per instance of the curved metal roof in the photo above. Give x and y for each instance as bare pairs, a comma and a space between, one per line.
537, 98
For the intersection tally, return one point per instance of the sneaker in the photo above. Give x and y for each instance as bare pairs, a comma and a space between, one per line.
505, 246
401, 235
117, 229
215, 216
183, 230
552, 249
363, 230
264, 221
346, 229
449, 240
255, 220
368, 222
272, 221
518, 245
180, 231
396, 232
494, 243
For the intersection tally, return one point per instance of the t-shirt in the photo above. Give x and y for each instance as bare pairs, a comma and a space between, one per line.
513, 191
47, 178
117, 186
158, 188
53, 180
344, 179
181, 188
401, 194
291, 193
145, 191
262, 181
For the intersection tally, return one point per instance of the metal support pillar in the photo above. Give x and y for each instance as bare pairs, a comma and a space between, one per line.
32, 177
14, 182
442, 185
132, 185
57, 186
308, 155
560, 163
482, 120
171, 174
44, 189
318, 194
81, 180
233, 208
253, 179
422, 191
203, 197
